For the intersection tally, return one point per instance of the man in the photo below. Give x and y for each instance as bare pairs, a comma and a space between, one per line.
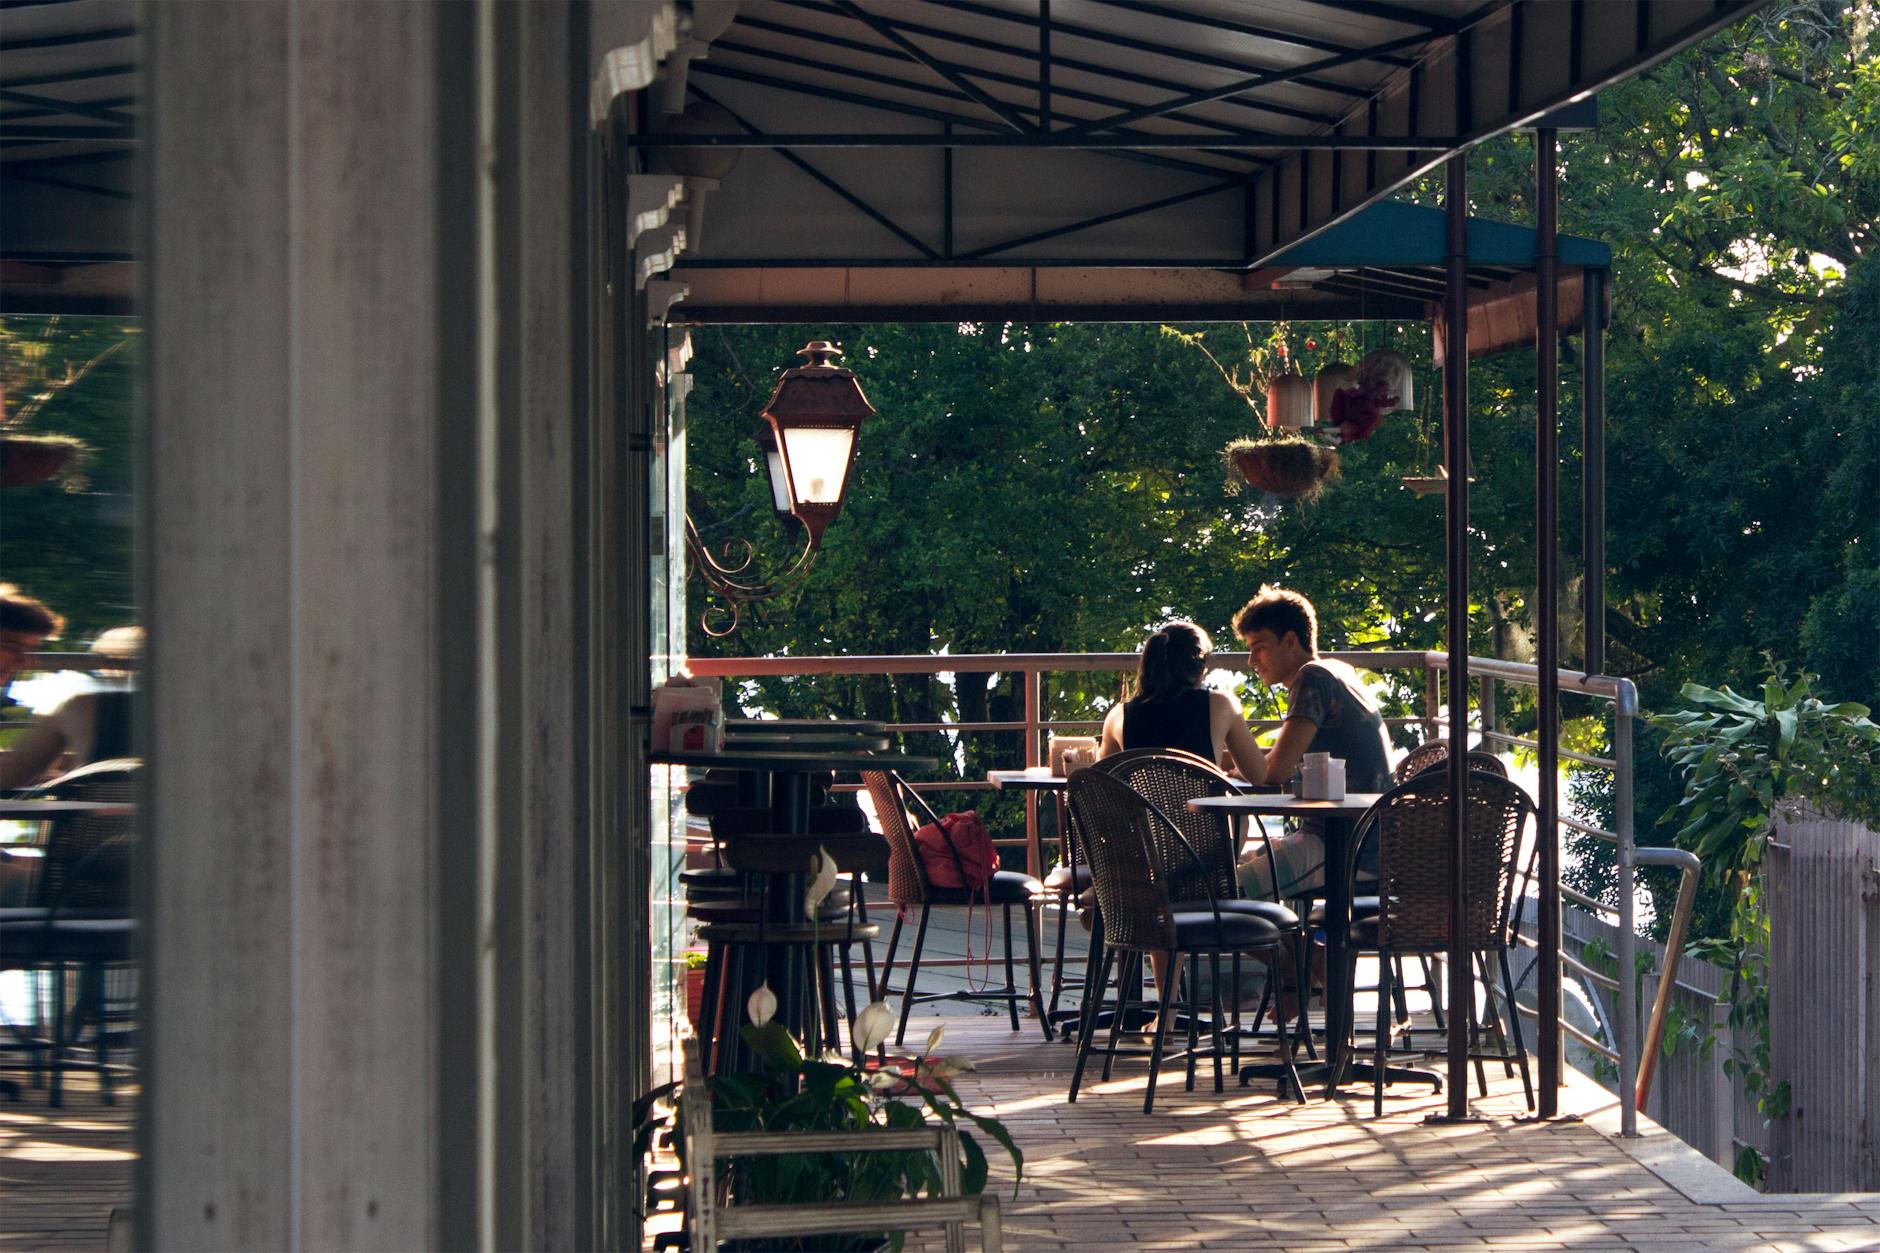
1327, 711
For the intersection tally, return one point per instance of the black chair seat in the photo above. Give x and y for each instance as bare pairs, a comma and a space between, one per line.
1361, 907
1200, 929
1270, 911
1008, 887
1061, 875
834, 911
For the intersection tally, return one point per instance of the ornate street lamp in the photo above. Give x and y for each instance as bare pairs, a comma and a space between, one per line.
811, 425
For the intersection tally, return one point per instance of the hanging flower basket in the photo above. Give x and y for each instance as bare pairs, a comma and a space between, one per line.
34, 458
1297, 469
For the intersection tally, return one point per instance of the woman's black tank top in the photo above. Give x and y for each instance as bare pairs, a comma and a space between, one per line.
1183, 721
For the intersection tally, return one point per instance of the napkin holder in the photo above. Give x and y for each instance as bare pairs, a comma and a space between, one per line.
1072, 746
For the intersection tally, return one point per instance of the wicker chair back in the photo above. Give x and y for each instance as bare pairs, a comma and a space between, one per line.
1414, 859
907, 878
1169, 779
1127, 865
87, 865
1419, 759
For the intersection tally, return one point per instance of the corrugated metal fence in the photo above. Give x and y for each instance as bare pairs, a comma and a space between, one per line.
1824, 912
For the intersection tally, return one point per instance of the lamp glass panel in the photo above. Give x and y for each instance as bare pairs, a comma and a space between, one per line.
779, 481
819, 462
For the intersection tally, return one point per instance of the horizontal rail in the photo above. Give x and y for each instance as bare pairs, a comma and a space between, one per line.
1523, 741
1602, 979
1586, 829
1610, 1054
1586, 902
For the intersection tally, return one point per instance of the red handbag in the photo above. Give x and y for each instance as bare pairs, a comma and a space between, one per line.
957, 852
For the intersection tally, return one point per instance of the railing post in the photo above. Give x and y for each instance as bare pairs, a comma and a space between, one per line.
1628, 927
1432, 701
1033, 678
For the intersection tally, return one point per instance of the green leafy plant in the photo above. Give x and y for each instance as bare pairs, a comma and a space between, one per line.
792, 1092
1740, 759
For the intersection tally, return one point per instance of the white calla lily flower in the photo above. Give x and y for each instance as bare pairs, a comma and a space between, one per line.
762, 1006
821, 884
872, 1025
934, 1038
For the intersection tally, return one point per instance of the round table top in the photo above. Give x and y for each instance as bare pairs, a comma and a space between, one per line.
29, 808
806, 740
782, 726
1353, 804
799, 763
1020, 780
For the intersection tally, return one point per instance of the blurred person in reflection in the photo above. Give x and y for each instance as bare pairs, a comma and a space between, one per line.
25, 626
93, 725
1328, 710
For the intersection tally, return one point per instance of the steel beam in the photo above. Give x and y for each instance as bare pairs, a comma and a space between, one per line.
887, 30
1071, 140
1134, 211
1270, 79
1119, 73
1547, 608
873, 214
1593, 469
1456, 555
1267, 33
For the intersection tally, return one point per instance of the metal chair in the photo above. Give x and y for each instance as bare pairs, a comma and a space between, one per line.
1169, 779
909, 887
1411, 826
80, 921
1140, 861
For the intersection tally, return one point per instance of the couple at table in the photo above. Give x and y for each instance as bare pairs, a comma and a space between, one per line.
1328, 710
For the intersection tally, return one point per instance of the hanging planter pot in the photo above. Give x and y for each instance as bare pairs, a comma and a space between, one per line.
1328, 383
34, 458
1294, 468
1288, 402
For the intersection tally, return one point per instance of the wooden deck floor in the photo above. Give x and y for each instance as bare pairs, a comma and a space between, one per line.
62, 1171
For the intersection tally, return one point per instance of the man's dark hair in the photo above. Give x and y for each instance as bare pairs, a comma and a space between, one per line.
25, 615
1278, 610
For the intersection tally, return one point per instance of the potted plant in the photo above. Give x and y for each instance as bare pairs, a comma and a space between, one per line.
694, 987
792, 1092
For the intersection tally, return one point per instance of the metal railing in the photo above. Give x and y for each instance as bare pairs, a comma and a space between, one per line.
1030, 669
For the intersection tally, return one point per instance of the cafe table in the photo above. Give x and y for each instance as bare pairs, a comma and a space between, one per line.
783, 782
1341, 818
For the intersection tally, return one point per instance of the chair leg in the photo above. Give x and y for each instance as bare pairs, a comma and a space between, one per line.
1401, 1003
1094, 991
1011, 971
1127, 970
57, 1096
1234, 1034
1167, 999
1057, 964
913, 973
1514, 1019
1378, 1046
1475, 1038
823, 964
1433, 986
885, 988
1037, 968
1489, 997
1214, 1014
1284, 1039
1194, 1015
1302, 979
858, 909
1088, 1035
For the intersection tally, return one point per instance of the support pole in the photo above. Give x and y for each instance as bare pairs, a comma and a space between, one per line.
1593, 468
1456, 461
1547, 608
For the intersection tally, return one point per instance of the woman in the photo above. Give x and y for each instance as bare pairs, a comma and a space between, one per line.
1171, 709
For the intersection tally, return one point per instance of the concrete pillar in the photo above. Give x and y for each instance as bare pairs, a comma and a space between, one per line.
369, 573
